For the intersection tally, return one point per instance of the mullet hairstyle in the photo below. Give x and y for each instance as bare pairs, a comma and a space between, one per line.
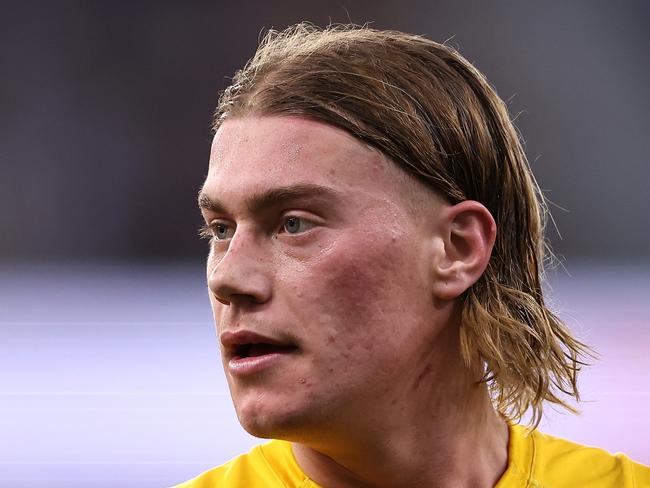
436, 116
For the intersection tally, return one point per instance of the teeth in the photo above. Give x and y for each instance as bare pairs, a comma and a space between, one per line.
260, 349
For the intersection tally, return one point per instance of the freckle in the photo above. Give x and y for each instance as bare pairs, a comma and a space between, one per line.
331, 370
331, 339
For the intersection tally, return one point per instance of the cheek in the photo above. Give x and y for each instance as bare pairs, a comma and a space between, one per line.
362, 289
356, 288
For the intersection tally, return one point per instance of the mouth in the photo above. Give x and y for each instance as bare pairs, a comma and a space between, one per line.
250, 359
257, 349
249, 353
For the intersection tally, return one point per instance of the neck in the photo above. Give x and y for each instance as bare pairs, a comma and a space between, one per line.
438, 429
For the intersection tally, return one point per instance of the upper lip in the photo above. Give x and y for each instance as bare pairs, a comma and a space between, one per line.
233, 340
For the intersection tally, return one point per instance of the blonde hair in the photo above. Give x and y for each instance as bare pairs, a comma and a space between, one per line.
427, 108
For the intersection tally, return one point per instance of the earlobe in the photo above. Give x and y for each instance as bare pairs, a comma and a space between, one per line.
467, 235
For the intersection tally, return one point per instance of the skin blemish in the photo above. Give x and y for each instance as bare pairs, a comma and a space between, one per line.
426, 372
355, 284
291, 151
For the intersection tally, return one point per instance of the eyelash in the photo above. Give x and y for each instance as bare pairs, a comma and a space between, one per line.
207, 232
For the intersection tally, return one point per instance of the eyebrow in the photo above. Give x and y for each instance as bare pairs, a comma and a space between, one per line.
274, 197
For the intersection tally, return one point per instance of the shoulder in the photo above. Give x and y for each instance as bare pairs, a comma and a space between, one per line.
548, 461
269, 465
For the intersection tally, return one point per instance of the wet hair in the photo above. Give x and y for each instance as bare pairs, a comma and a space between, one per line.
435, 116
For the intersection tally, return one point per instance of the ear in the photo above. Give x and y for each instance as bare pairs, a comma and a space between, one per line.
467, 232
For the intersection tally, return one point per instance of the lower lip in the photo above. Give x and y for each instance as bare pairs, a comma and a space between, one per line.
255, 364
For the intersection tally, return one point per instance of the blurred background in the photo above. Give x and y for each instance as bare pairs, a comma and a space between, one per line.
109, 369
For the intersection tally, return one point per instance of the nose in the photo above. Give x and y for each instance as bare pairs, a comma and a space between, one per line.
241, 274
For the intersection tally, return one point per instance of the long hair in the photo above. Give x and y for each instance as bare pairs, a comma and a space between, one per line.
430, 111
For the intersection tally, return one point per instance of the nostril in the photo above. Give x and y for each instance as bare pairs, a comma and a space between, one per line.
239, 277
221, 300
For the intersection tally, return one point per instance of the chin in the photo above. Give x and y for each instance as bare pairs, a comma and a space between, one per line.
269, 423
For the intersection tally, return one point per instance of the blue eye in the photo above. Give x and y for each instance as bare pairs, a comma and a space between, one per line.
221, 231
295, 225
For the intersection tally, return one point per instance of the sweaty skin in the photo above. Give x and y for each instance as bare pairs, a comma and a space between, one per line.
340, 265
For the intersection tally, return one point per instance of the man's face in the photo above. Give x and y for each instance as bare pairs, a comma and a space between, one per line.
318, 273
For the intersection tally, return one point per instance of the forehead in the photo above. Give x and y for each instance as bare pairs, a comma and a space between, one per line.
251, 154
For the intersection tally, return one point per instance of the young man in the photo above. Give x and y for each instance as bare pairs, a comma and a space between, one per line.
376, 249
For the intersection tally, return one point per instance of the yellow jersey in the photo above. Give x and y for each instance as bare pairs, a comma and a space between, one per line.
535, 460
